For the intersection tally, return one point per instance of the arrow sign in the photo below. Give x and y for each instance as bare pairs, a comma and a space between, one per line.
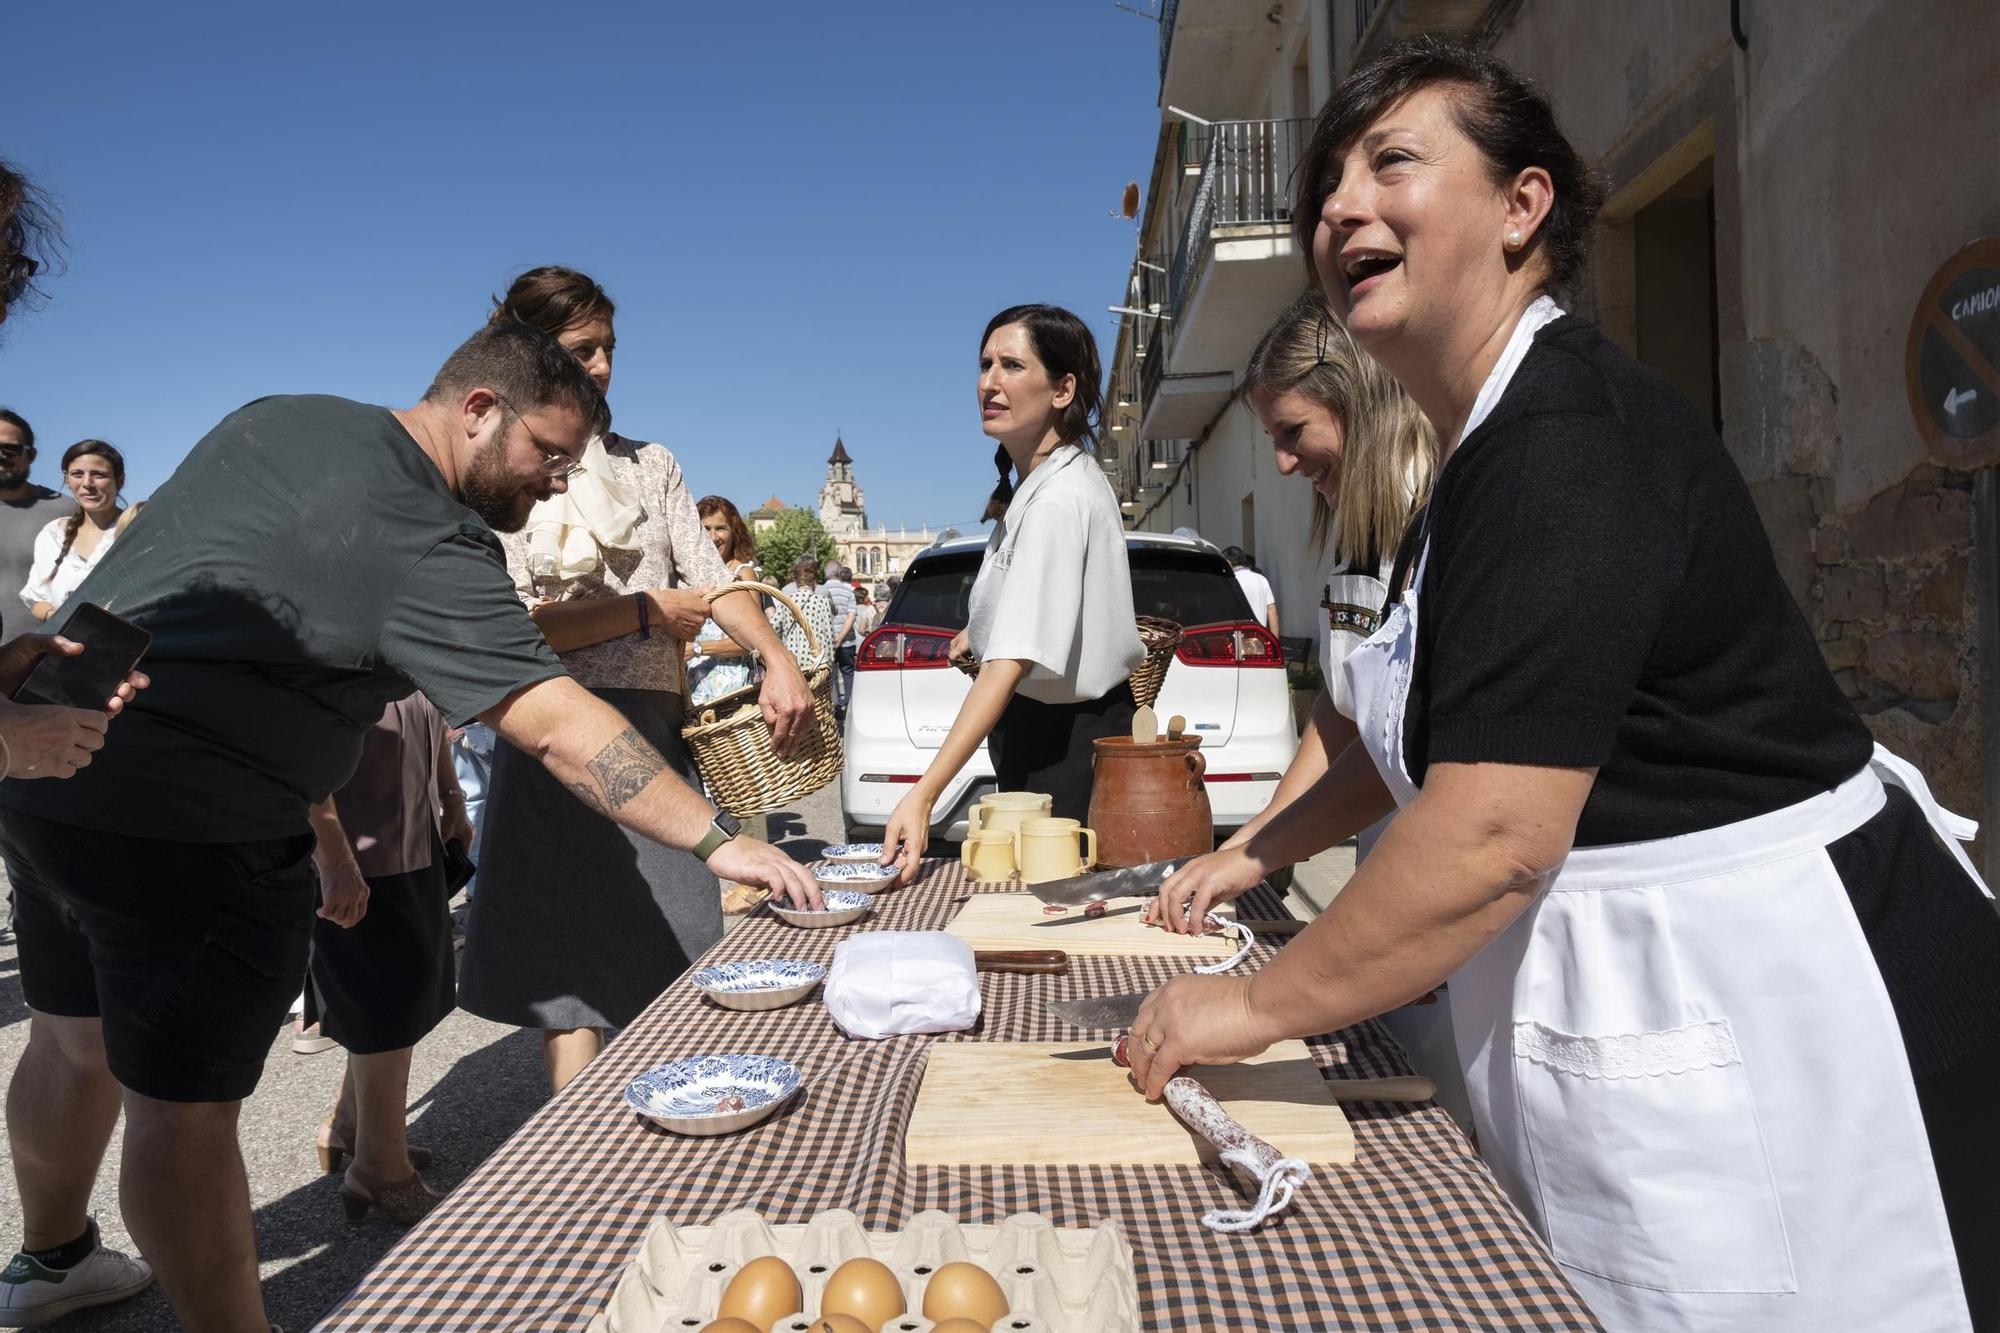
1958, 398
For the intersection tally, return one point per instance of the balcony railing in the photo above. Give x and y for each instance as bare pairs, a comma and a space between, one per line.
1246, 179
1154, 366
1167, 14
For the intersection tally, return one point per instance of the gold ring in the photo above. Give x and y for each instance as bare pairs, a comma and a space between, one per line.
1151, 1045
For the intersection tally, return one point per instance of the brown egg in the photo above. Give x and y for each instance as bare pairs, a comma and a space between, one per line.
730, 1326
964, 1291
762, 1292
959, 1325
865, 1289
842, 1323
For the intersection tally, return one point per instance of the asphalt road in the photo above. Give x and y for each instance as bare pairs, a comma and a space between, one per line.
472, 1083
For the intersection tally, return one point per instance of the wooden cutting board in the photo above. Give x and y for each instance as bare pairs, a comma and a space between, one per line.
1005, 1103
1016, 921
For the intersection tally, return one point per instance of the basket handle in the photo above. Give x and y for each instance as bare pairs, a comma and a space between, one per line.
747, 585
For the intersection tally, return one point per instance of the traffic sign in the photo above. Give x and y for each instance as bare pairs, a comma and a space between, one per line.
1952, 364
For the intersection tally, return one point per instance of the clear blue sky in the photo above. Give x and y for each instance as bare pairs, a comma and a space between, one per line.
806, 212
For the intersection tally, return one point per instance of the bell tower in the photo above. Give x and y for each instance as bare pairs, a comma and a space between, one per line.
841, 511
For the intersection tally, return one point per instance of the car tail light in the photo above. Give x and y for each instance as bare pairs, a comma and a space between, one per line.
899, 648
1230, 645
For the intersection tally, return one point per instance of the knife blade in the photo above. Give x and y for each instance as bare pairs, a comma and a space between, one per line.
1141, 881
1101, 1011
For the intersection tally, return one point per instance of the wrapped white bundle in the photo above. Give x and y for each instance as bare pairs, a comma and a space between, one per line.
888, 983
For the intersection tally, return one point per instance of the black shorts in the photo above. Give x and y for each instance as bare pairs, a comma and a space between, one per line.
190, 953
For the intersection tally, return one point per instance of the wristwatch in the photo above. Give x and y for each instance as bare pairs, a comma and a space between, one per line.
720, 830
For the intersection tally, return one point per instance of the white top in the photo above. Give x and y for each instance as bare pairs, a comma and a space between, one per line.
1258, 589
1055, 589
48, 582
1543, 310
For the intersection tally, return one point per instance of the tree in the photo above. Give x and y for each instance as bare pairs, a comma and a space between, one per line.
796, 532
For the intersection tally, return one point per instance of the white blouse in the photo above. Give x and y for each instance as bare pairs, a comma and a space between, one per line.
52, 581
1055, 589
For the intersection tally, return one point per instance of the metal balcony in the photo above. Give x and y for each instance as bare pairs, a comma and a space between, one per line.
1234, 267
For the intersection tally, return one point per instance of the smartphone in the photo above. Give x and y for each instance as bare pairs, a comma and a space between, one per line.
111, 648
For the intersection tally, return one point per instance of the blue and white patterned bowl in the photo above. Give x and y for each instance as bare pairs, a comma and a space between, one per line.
858, 852
697, 1096
762, 983
866, 876
843, 906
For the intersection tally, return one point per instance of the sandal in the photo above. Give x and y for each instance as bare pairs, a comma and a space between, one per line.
335, 1150
404, 1202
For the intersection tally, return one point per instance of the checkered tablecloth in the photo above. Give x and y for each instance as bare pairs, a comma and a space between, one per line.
1415, 1234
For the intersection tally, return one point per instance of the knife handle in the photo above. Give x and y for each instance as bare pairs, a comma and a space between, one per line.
1033, 962
1289, 925
1403, 1088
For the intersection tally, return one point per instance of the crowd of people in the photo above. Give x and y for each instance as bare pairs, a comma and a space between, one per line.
1604, 784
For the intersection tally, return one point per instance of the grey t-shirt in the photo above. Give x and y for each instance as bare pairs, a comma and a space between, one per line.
21, 521
304, 566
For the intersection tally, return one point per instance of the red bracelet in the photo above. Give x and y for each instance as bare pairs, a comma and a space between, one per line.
645, 616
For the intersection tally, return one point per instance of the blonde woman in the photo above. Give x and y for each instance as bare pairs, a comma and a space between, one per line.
1341, 423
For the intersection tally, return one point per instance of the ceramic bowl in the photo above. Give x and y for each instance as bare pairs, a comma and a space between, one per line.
763, 983
842, 907
866, 877
858, 852
699, 1096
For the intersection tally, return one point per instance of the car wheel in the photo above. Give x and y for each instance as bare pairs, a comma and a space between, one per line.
856, 833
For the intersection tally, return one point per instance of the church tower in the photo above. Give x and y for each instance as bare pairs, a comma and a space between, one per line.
840, 505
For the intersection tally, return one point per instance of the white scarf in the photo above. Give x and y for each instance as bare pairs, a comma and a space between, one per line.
596, 511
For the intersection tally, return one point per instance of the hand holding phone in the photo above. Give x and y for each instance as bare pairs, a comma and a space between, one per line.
88, 664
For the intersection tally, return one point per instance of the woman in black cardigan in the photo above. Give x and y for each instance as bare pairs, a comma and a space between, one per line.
1725, 989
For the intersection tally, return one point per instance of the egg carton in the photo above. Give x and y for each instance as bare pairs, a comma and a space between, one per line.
1056, 1279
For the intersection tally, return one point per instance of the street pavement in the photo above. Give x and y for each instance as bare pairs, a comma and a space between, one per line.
472, 1084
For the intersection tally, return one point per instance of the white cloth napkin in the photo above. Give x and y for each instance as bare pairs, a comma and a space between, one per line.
887, 983
595, 511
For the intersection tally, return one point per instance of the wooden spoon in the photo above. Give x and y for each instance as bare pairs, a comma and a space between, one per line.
1145, 726
1175, 726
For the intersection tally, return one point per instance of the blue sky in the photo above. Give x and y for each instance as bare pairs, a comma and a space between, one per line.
806, 212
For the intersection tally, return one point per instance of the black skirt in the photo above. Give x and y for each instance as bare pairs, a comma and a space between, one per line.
385, 982
1046, 747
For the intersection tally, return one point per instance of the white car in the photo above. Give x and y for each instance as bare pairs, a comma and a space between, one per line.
1227, 679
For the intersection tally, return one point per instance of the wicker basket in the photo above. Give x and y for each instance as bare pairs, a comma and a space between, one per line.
1160, 638
731, 743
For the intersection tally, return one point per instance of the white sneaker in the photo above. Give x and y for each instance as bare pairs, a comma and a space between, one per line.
31, 1294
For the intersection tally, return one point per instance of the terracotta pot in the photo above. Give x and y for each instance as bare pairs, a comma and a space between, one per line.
1148, 803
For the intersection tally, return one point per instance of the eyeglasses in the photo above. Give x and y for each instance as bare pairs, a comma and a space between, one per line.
20, 270
555, 463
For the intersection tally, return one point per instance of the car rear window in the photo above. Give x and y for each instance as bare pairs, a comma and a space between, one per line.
1187, 587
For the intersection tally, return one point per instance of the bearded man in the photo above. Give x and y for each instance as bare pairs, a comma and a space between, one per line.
312, 560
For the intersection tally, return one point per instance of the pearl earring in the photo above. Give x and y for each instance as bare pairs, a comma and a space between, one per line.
1513, 240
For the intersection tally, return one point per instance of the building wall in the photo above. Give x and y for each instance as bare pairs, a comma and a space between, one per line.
1853, 147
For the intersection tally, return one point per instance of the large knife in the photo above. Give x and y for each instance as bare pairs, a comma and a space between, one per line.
1141, 881
1118, 1011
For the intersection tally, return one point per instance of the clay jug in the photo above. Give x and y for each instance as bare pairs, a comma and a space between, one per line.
1147, 802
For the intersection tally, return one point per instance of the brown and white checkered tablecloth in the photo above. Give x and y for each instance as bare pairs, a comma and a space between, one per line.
1415, 1234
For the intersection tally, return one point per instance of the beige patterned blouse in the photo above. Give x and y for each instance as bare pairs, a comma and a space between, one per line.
673, 551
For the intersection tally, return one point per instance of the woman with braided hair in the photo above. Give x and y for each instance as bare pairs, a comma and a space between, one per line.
1050, 615
69, 548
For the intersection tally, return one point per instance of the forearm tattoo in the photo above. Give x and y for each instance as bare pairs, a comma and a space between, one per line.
620, 771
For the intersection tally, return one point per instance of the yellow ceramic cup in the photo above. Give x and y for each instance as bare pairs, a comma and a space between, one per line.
988, 856
1004, 810
1049, 849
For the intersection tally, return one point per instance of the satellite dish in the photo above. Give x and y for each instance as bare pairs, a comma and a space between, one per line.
1130, 206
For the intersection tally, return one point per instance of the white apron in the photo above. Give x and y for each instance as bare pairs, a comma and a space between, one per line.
1685, 1068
